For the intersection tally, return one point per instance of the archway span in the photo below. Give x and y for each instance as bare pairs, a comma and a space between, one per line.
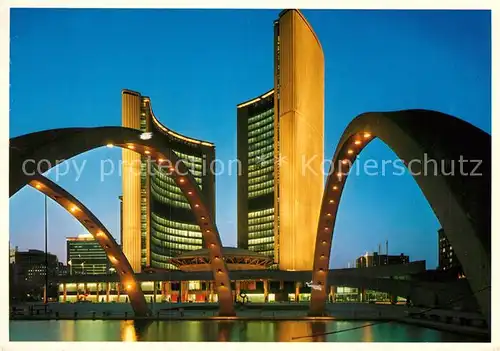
461, 202
33, 154
101, 235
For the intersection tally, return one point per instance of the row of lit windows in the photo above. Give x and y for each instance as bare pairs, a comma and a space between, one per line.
166, 247
174, 224
156, 189
261, 151
265, 253
260, 165
196, 170
189, 158
258, 193
261, 178
261, 234
170, 202
260, 213
157, 240
166, 178
259, 172
267, 120
261, 144
261, 157
256, 227
256, 118
165, 233
260, 130
269, 183
264, 219
268, 239
261, 247
260, 137
167, 186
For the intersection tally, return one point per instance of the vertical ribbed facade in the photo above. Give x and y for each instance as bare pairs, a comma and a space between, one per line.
131, 184
300, 109
280, 149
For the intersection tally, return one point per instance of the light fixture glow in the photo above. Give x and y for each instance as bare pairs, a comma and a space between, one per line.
367, 135
182, 180
350, 151
38, 186
109, 145
196, 205
345, 161
146, 135
190, 193
357, 142
335, 187
147, 152
73, 209
331, 201
160, 160
131, 147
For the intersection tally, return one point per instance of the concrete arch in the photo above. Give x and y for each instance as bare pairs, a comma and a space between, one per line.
462, 203
101, 235
33, 154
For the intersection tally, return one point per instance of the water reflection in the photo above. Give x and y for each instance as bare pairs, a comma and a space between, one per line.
223, 331
127, 331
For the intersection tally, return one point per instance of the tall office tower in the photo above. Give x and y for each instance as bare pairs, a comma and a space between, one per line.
86, 256
157, 221
280, 148
447, 259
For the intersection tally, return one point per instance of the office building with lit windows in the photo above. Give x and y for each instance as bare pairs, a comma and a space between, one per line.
157, 220
280, 149
86, 256
447, 258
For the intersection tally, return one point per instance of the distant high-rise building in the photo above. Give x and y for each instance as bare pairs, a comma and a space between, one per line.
280, 149
12, 254
158, 223
29, 267
447, 258
62, 269
376, 259
86, 256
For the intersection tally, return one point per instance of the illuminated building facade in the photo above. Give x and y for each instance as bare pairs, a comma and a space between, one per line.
157, 222
86, 256
447, 258
280, 149
377, 259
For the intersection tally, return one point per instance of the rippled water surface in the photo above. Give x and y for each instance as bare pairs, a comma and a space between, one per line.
224, 331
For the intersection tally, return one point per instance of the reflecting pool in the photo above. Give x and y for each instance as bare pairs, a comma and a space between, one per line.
255, 331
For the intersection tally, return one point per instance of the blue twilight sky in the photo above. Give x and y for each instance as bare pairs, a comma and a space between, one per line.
68, 68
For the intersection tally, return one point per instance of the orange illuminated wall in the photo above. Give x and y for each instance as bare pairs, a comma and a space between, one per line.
299, 105
131, 184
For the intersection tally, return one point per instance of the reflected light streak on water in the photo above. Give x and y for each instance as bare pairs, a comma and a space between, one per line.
253, 331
